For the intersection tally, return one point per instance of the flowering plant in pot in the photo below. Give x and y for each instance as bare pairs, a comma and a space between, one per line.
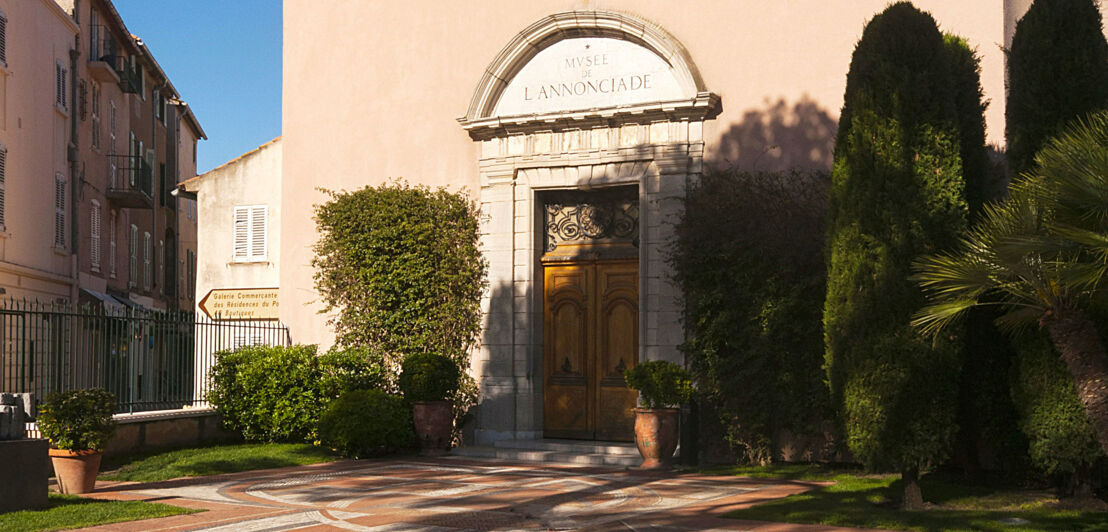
429, 381
662, 387
77, 424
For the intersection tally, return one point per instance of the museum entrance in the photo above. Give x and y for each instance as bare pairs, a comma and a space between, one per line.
590, 317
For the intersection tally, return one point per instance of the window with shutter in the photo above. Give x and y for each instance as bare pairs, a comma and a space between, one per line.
112, 122
3, 39
94, 236
147, 251
111, 244
132, 280
60, 82
250, 233
59, 211
3, 186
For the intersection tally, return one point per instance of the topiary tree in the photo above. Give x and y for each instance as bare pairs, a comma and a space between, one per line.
896, 193
1057, 71
400, 270
986, 414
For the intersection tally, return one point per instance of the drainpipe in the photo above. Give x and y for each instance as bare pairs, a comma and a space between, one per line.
158, 195
74, 181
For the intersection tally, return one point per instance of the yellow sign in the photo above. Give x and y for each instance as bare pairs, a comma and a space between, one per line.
240, 304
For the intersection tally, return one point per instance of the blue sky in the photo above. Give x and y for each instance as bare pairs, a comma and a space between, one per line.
224, 57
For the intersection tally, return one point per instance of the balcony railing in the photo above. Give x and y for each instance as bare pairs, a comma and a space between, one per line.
132, 181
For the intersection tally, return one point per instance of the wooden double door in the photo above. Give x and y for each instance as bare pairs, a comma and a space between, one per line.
590, 336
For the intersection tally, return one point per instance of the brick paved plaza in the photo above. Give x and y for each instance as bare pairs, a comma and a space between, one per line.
453, 494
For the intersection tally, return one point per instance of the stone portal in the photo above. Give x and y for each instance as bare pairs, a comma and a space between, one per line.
580, 107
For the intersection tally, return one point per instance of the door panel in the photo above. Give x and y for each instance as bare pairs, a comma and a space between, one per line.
617, 348
590, 337
566, 411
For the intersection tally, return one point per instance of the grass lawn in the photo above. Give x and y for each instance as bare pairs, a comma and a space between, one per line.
70, 511
213, 460
861, 500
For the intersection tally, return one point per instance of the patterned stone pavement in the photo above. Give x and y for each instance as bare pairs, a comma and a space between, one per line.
450, 493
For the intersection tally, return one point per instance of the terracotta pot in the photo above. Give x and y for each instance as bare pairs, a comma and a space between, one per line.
656, 436
434, 421
75, 470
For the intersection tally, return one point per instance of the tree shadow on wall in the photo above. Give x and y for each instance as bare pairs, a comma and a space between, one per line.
779, 137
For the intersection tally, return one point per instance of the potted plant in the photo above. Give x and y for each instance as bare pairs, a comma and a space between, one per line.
662, 387
77, 424
428, 381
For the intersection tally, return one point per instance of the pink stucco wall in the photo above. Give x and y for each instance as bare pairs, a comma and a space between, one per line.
372, 91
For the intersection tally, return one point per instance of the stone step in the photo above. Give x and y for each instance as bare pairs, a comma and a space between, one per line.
547, 456
571, 446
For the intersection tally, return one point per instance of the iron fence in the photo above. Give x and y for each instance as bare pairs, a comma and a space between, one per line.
150, 359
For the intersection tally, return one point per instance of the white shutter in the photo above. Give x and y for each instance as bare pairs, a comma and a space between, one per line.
3, 179
94, 236
59, 211
258, 232
242, 234
111, 244
147, 250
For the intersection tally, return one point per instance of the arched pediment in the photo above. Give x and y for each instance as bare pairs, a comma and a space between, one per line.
581, 61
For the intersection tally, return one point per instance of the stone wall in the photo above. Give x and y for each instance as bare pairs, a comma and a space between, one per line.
166, 429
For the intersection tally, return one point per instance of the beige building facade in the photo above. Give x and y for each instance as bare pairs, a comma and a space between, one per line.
35, 175
94, 137
577, 126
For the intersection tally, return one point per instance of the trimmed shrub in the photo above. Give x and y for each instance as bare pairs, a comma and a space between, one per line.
276, 393
897, 193
748, 256
428, 377
400, 269
268, 393
661, 384
365, 423
1057, 71
78, 420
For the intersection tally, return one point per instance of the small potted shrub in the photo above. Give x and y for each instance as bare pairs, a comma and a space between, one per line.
428, 381
78, 425
662, 387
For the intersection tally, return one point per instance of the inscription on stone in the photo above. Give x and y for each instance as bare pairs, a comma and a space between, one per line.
585, 73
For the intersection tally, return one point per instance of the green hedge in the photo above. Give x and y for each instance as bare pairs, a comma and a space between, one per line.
277, 393
897, 192
748, 255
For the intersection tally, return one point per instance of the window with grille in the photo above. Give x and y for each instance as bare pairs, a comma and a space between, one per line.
3, 186
132, 280
59, 85
147, 251
59, 211
111, 244
94, 236
250, 233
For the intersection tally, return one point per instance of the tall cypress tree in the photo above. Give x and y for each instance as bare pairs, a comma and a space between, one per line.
897, 193
1057, 71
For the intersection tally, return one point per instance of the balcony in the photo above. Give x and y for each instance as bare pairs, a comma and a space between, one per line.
132, 182
103, 55
106, 62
